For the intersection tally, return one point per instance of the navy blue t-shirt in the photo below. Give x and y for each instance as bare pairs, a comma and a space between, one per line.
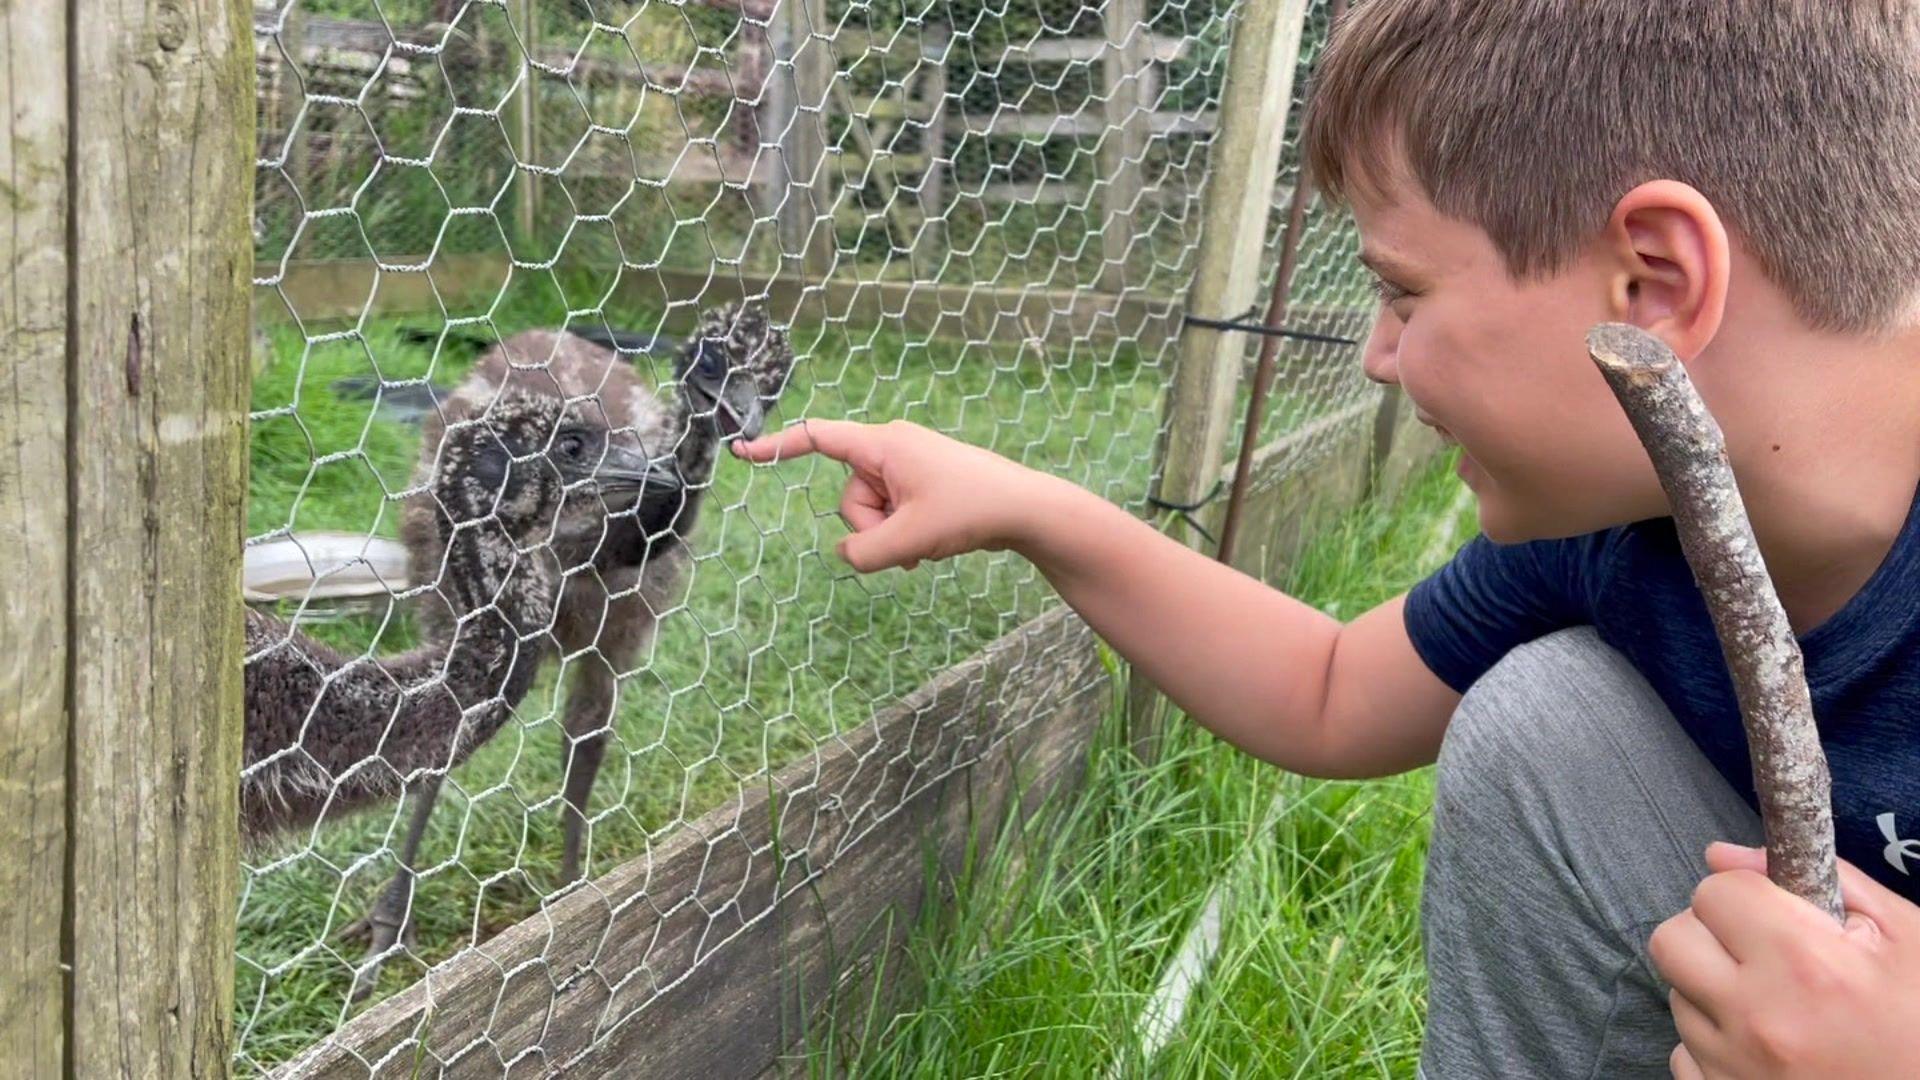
1633, 585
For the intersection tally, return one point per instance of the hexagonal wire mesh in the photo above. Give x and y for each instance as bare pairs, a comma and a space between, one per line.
438, 177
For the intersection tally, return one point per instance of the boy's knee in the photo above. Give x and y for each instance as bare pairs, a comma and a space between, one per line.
1551, 706
1546, 830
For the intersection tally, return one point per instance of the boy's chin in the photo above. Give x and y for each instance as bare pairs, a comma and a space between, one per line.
1505, 520
1505, 523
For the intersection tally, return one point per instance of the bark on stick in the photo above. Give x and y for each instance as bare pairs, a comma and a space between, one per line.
1769, 675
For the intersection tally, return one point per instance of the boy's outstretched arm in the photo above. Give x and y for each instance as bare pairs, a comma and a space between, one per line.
1262, 670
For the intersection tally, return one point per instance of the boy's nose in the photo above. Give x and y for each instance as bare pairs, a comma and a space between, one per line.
1380, 358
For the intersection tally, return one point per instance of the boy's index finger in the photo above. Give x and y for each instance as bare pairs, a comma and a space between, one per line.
838, 439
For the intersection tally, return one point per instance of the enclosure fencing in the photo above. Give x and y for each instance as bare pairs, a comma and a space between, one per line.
636, 778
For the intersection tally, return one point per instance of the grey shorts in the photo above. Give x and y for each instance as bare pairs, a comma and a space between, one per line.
1570, 818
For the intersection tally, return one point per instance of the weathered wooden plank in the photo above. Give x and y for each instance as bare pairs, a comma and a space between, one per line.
932, 195
163, 119
872, 169
1161, 48
1414, 444
856, 43
1124, 122
1034, 193
1088, 123
328, 291
1298, 482
524, 116
353, 35
1386, 425
709, 957
321, 292
33, 536
405, 60
758, 115
805, 198
960, 312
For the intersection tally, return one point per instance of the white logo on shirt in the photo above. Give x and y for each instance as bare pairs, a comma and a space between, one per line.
1898, 850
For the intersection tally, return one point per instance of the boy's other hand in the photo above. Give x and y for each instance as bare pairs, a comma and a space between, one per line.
914, 494
1767, 985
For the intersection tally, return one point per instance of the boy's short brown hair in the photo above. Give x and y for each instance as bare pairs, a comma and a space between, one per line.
1798, 119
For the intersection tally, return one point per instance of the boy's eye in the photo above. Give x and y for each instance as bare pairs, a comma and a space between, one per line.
1387, 291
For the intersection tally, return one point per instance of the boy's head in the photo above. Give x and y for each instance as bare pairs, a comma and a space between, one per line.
1724, 173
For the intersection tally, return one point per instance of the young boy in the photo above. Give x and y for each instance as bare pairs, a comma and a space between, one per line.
1742, 178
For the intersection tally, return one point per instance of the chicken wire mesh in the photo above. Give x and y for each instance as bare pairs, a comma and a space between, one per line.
443, 187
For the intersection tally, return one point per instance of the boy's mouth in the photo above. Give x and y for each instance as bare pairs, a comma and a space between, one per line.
1445, 435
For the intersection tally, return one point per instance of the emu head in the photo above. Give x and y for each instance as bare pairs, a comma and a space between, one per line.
733, 368
544, 468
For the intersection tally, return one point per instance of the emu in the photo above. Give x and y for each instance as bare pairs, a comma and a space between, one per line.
730, 373
325, 733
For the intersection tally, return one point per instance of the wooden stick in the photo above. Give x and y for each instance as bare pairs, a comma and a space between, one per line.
1769, 675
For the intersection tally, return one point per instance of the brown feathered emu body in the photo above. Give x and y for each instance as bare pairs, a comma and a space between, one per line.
621, 577
328, 733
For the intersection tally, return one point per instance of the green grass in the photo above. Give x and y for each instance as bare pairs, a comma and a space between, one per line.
1044, 965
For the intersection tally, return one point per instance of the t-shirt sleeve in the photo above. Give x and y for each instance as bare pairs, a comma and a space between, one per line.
1493, 597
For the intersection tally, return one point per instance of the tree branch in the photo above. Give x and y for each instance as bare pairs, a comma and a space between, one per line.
1769, 674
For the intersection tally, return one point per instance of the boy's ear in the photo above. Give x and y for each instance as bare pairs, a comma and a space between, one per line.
1671, 264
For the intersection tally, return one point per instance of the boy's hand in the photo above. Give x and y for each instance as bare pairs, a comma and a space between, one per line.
914, 494
1767, 985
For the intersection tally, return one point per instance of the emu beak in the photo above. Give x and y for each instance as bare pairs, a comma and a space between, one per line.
739, 411
624, 469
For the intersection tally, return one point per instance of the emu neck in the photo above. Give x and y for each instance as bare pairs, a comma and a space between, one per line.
327, 733
498, 596
699, 441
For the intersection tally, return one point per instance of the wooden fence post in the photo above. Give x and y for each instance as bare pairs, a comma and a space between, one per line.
1245, 166
526, 119
1126, 66
123, 407
1386, 423
797, 117
292, 70
33, 517
936, 51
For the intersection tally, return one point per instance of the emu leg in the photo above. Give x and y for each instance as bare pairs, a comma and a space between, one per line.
589, 724
390, 920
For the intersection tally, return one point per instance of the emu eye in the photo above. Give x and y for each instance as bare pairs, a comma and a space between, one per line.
569, 446
713, 359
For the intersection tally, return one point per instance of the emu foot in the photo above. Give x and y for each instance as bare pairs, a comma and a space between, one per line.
361, 930
381, 928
